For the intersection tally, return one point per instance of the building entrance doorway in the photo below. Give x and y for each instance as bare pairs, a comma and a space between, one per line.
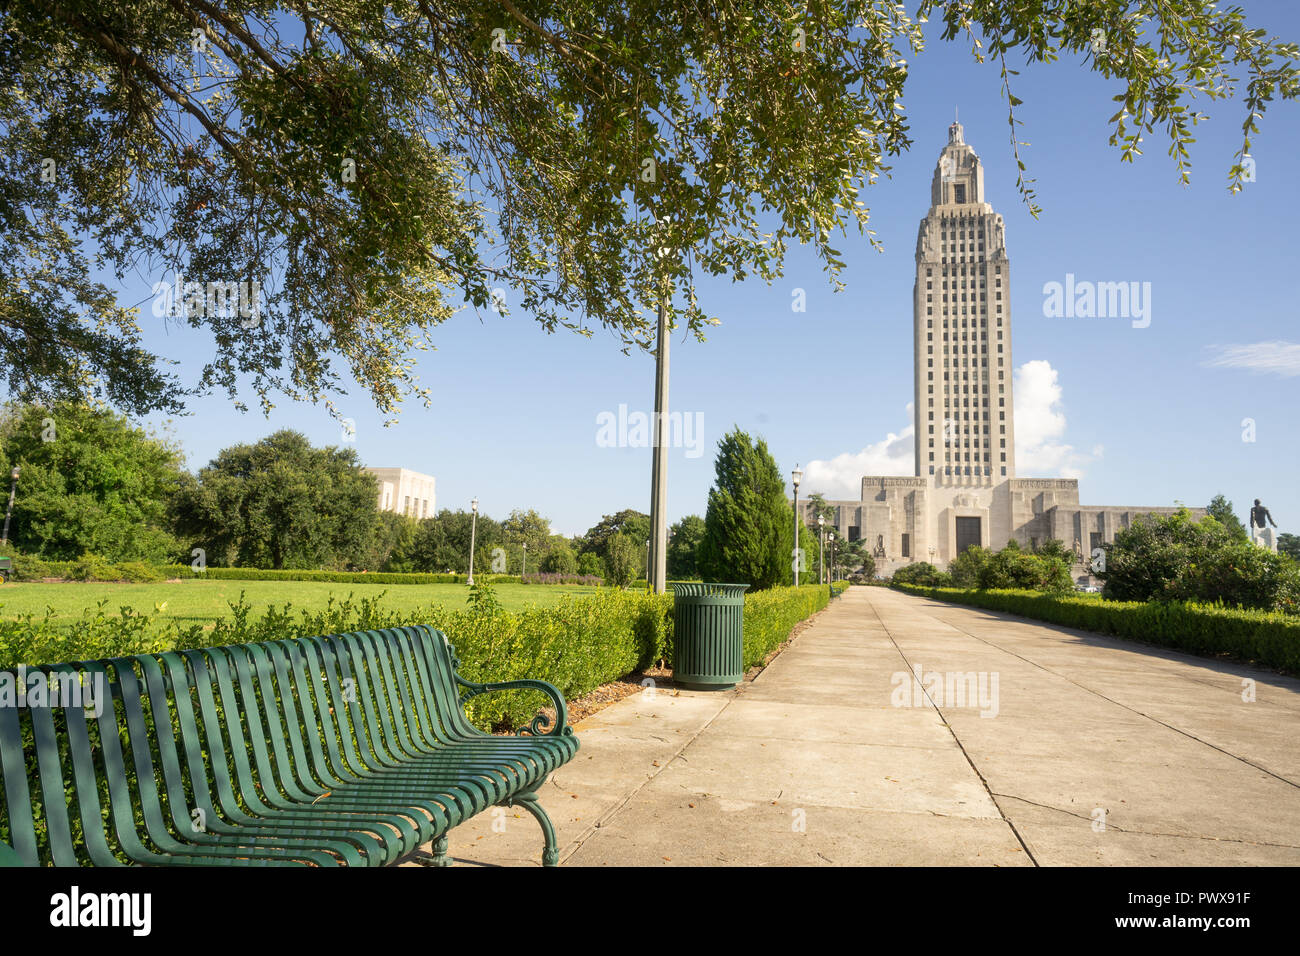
968, 533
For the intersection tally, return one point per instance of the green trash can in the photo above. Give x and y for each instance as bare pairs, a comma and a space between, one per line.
708, 635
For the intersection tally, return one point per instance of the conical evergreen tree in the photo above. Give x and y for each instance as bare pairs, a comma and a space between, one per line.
749, 525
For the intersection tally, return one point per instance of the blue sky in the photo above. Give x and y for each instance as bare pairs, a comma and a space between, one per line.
1141, 416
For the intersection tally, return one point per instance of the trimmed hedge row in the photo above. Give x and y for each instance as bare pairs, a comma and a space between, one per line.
577, 644
92, 568
184, 571
89, 568
770, 615
1257, 637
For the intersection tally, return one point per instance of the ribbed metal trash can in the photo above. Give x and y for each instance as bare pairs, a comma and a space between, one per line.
708, 635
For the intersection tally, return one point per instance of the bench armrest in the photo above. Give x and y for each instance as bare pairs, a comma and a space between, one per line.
537, 726
9, 856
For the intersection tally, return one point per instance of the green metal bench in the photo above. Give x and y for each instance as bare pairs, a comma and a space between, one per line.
352, 749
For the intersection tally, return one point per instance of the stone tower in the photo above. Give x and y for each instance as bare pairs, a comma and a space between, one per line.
965, 430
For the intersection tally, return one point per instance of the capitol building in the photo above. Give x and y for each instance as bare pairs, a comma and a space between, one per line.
965, 489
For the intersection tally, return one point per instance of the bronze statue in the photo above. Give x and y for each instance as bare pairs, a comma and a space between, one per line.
1259, 514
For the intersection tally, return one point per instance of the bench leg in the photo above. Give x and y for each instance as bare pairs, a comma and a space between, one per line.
440, 857
551, 852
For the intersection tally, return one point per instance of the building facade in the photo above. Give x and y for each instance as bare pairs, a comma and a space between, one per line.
965, 490
405, 492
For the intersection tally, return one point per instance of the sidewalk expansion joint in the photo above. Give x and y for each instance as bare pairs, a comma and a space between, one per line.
1153, 833
576, 845
957, 740
1110, 700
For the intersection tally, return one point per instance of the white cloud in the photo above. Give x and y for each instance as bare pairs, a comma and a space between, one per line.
1278, 358
1040, 451
1040, 426
840, 478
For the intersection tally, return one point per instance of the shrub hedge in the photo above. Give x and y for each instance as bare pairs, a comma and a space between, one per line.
577, 644
771, 614
922, 573
1258, 637
184, 571
88, 568
557, 577
93, 568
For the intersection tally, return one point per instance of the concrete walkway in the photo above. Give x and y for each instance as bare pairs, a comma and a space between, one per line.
1079, 750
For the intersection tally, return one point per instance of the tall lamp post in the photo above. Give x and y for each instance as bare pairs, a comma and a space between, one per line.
821, 550
13, 488
831, 537
657, 558
796, 475
473, 529
523, 569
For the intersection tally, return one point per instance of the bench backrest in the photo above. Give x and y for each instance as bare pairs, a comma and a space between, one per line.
152, 744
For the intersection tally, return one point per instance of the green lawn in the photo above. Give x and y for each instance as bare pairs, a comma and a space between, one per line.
205, 601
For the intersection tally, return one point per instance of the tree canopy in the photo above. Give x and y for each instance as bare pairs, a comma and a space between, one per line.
635, 524
1220, 509
683, 543
89, 482
361, 169
280, 503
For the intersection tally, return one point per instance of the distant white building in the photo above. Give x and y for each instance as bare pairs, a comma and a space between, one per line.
405, 492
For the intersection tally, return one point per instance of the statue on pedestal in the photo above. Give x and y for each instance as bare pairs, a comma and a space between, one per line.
879, 552
1260, 534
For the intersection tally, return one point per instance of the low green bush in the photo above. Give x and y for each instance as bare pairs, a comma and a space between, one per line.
577, 644
28, 568
1173, 558
335, 577
921, 572
965, 569
770, 615
91, 567
28, 639
137, 572
1013, 569
1259, 637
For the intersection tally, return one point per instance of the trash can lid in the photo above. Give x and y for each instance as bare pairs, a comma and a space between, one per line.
706, 589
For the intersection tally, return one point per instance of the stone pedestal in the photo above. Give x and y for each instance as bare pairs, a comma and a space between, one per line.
1265, 538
